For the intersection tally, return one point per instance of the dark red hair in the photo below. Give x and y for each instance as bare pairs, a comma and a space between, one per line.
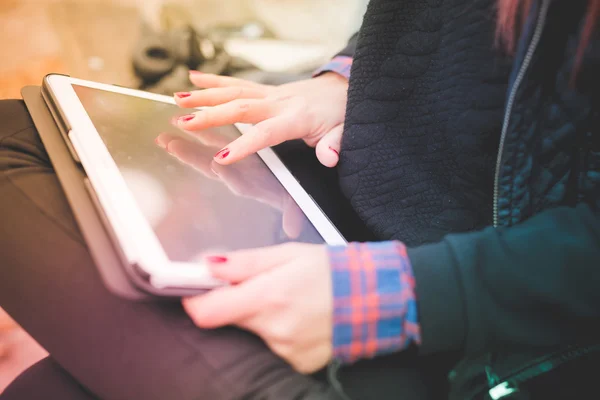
511, 10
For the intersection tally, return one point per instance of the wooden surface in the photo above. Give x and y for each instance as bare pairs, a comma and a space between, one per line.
90, 39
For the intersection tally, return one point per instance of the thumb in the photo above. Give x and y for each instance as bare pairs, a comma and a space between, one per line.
328, 148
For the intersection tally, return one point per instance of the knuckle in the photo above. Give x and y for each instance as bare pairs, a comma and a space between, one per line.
283, 98
282, 350
311, 141
283, 335
243, 108
239, 92
267, 133
277, 298
220, 81
301, 366
195, 316
285, 352
206, 116
208, 97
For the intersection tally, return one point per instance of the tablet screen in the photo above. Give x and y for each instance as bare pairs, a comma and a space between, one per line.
193, 204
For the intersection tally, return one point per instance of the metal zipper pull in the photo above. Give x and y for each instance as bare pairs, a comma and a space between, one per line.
502, 391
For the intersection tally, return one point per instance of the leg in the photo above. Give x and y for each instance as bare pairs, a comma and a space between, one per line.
45, 380
405, 376
115, 348
119, 349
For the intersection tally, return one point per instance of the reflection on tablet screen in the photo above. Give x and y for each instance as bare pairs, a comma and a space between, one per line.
193, 204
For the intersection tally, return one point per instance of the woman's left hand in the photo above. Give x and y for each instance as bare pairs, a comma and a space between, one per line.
281, 293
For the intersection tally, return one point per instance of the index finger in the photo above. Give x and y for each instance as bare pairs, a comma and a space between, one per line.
267, 133
206, 81
226, 305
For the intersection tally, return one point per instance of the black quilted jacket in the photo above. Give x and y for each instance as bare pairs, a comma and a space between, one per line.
443, 142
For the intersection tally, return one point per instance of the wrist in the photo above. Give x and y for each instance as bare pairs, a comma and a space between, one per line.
332, 76
340, 65
374, 308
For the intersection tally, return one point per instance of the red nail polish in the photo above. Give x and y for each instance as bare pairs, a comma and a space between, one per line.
334, 150
222, 153
186, 118
183, 95
216, 259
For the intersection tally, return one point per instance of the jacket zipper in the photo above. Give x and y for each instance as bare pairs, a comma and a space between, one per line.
510, 384
541, 21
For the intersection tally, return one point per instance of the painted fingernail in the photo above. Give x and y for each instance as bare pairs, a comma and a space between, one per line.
334, 150
186, 118
222, 153
183, 95
216, 259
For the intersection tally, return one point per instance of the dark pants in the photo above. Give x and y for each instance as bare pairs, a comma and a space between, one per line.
106, 347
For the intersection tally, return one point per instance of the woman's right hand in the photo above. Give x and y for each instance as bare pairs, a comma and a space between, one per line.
312, 110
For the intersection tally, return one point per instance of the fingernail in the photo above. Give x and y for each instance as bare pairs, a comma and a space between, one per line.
216, 259
186, 118
183, 95
194, 72
222, 153
334, 150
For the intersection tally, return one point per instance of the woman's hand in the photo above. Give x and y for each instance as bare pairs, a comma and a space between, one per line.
312, 110
282, 293
6, 325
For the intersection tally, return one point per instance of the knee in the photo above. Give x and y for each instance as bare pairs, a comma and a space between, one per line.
20, 145
45, 380
14, 117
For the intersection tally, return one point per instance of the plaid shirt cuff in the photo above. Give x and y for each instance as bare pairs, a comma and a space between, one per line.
340, 65
375, 307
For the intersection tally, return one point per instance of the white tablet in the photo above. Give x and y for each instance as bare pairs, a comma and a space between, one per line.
163, 197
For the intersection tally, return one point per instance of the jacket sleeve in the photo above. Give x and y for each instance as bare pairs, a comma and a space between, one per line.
534, 284
350, 48
342, 62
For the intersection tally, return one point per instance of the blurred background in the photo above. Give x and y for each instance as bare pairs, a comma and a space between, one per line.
151, 44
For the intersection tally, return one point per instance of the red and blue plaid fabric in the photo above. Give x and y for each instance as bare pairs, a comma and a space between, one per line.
375, 306
339, 64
